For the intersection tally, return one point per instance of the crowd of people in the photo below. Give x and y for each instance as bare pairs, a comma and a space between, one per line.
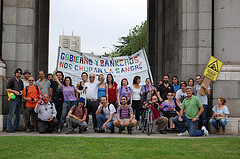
48, 104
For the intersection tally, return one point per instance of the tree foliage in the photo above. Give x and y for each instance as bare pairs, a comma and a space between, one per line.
133, 42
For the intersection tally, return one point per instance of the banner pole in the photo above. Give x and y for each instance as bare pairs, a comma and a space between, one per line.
58, 58
148, 66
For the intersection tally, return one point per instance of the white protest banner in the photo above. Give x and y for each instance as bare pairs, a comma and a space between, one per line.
73, 63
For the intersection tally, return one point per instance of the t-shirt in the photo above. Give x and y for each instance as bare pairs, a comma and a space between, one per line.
57, 94
165, 90
31, 93
107, 113
102, 91
79, 112
136, 93
146, 88
112, 93
203, 99
191, 106
168, 106
181, 96
124, 113
156, 112
25, 84
125, 92
68, 93
44, 86
224, 110
176, 87
92, 90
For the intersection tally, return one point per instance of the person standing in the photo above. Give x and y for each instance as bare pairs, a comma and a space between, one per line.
70, 99
124, 90
46, 115
136, 98
191, 110
102, 88
43, 83
180, 96
112, 90
150, 88
80, 85
91, 95
31, 94
50, 77
56, 95
15, 86
165, 88
175, 84
203, 121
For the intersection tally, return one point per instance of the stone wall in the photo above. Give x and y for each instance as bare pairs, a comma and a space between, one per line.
25, 40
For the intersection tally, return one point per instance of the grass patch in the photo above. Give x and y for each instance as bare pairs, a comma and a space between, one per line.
79, 147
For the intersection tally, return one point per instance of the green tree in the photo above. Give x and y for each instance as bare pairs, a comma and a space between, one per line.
133, 42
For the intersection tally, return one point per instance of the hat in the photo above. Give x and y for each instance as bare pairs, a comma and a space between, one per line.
82, 100
27, 71
189, 87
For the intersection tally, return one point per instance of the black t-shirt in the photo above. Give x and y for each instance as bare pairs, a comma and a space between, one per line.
57, 95
165, 90
13, 84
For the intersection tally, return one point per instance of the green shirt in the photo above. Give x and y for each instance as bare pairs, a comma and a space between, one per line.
191, 106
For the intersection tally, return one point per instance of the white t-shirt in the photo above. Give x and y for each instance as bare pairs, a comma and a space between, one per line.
107, 112
181, 96
136, 93
92, 89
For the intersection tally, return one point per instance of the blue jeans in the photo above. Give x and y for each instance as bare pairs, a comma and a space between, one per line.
15, 106
217, 123
67, 105
203, 118
101, 119
191, 126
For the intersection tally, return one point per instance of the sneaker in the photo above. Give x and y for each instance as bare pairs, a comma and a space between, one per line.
10, 131
205, 130
120, 130
95, 130
163, 132
101, 131
58, 130
69, 132
183, 134
129, 130
28, 130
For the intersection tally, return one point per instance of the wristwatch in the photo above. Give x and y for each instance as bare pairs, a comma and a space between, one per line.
197, 116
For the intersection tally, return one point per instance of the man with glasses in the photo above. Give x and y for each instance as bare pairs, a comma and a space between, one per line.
15, 86
106, 114
91, 96
32, 93
46, 115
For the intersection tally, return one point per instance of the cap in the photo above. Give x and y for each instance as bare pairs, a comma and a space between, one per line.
27, 71
82, 100
189, 87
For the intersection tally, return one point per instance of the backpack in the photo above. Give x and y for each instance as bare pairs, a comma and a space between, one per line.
108, 108
121, 111
37, 88
75, 108
147, 95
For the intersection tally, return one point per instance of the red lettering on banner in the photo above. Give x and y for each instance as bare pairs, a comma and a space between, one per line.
136, 59
101, 63
85, 60
61, 64
80, 68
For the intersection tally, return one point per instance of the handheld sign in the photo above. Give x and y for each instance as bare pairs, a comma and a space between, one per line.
211, 72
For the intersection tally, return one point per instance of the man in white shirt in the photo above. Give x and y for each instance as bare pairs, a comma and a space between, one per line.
181, 95
106, 114
91, 96
47, 120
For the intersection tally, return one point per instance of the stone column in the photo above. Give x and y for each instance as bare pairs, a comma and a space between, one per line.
2, 90
227, 46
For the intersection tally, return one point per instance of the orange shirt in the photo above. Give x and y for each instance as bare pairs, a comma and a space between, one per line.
32, 93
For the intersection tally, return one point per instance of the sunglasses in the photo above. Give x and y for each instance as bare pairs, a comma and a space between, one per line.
91, 76
30, 80
170, 95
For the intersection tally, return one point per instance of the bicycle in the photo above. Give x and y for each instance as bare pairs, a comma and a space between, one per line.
147, 119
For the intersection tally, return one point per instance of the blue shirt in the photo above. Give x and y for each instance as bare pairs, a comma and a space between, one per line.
224, 110
102, 91
176, 88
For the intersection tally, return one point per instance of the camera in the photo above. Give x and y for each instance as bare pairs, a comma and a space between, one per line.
155, 105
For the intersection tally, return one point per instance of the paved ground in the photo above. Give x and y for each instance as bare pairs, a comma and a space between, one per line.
135, 134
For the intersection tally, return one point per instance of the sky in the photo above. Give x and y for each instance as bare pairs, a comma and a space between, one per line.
99, 23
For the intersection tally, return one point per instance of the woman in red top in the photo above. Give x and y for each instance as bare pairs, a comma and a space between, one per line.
112, 90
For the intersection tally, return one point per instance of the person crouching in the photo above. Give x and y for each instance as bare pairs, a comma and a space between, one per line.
47, 120
77, 117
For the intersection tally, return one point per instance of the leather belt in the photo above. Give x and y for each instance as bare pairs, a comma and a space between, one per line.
92, 100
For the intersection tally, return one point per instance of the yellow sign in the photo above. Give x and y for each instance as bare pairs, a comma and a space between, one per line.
213, 68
